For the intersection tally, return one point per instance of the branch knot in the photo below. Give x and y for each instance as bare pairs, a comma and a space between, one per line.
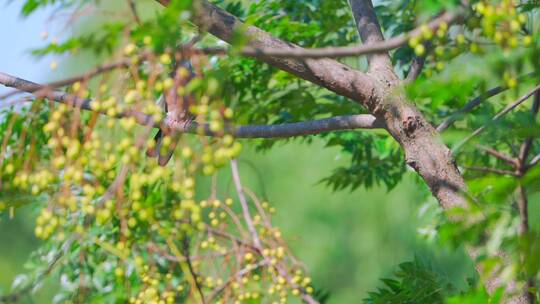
411, 124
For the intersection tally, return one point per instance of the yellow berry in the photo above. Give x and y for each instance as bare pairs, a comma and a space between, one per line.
419, 50
129, 49
165, 59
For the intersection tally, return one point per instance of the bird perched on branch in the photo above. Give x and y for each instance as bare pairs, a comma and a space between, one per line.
176, 102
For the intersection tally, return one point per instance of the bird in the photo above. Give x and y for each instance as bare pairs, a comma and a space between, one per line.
176, 104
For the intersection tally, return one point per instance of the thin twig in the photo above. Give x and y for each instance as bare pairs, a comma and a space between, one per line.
534, 161
36, 88
187, 264
133, 9
232, 238
346, 51
243, 202
502, 156
509, 108
491, 170
527, 144
238, 275
185, 248
473, 103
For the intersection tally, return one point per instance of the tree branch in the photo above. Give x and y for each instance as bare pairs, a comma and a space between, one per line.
523, 207
492, 170
133, 9
253, 231
348, 122
416, 69
194, 275
370, 33
502, 156
327, 73
534, 161
33, 87
522, 199
337, 52
473, 103
509, 108
243, 202
527, 144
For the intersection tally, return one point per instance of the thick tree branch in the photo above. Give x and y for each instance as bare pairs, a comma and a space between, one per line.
370, 33
348, 122
327, 73
343, 51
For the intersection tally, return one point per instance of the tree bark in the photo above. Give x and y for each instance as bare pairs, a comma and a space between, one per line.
370, 32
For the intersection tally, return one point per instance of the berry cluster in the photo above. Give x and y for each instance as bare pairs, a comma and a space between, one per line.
147, 227
488, 24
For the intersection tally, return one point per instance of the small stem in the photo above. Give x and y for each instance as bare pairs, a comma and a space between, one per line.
500, 155
133, 9
244, 204
491, 170
185, 247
